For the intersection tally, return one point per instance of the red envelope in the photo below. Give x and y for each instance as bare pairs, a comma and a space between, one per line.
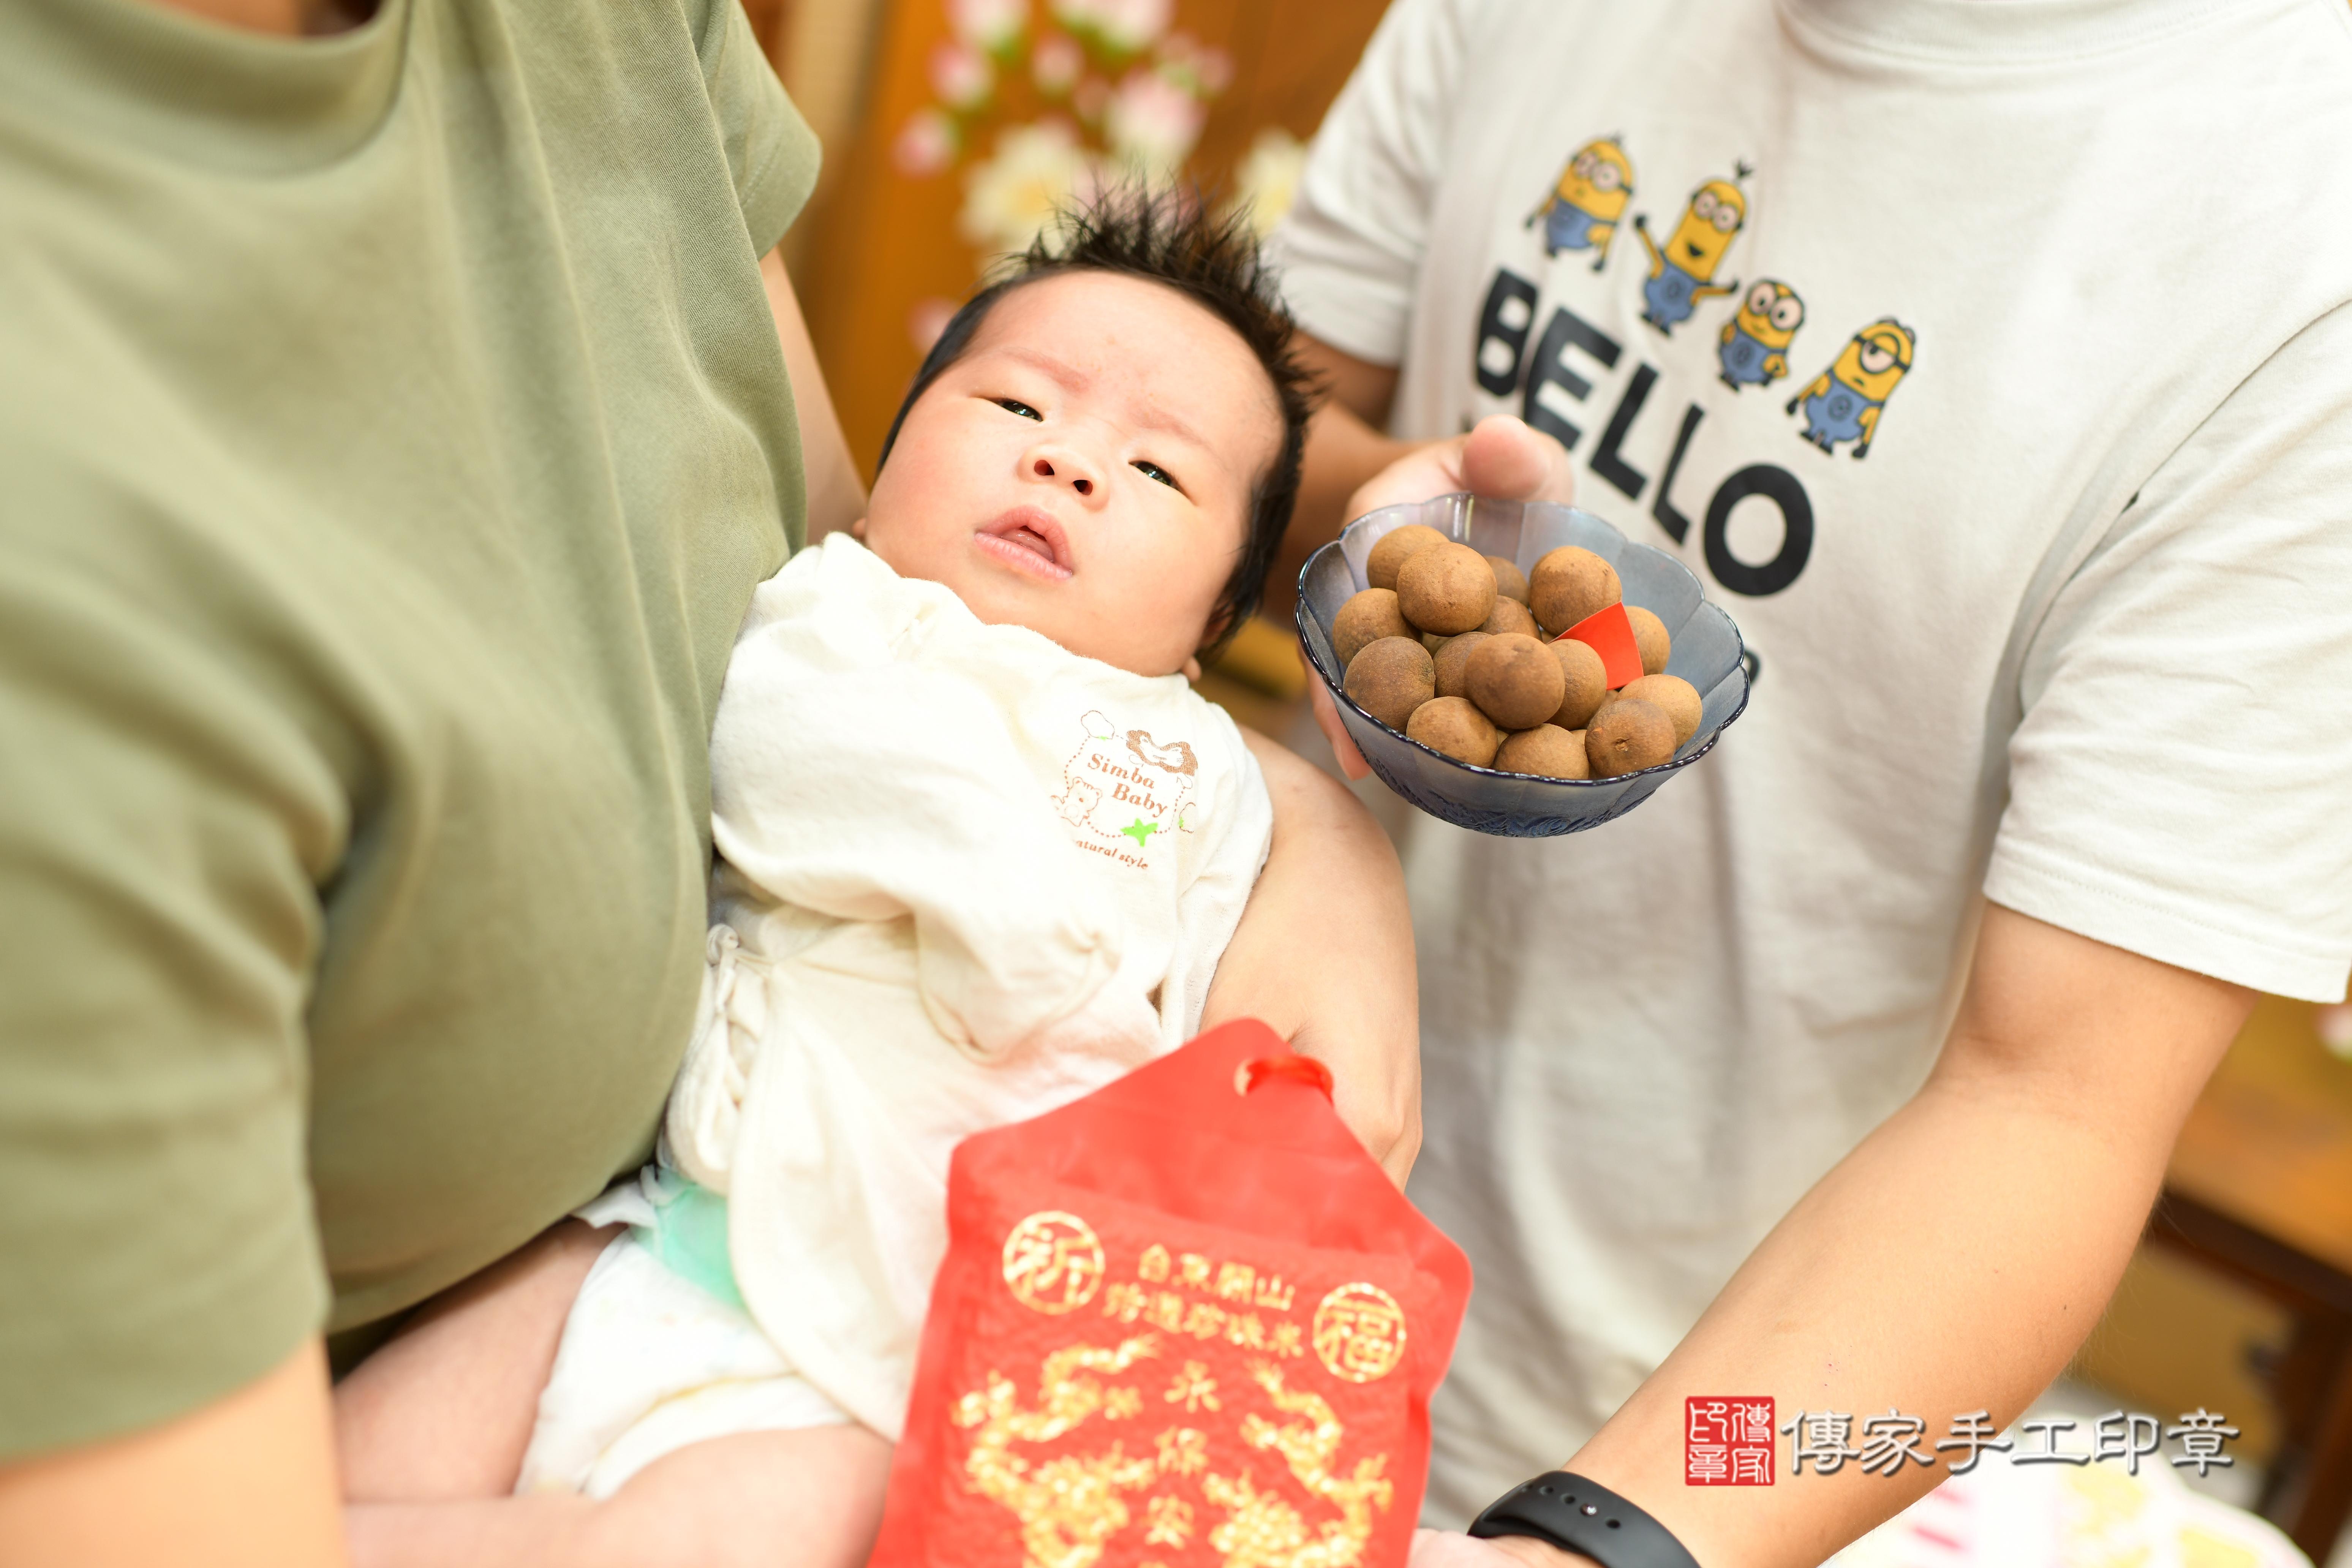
1184, 1321
1609, 632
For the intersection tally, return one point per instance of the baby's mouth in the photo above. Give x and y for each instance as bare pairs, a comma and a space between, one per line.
1028, 539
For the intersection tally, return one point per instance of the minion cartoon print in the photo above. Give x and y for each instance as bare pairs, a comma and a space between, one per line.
1681, 271
1843, 403
1584, 208
1756, 341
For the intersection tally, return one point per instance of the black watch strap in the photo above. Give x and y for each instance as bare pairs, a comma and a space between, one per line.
1584, 1516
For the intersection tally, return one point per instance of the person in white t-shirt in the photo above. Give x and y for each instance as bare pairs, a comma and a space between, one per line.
1992, 364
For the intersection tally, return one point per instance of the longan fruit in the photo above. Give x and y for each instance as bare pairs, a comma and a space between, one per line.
1569, 584
1446, 588
1586, 679
1433, 641
1678, 697
1394, 548
1509, 616
1650, 637
1390, 678
1509, 580
1366, 618
1455, 726
1546, 752
1515, 679
1628, 736
1452, 654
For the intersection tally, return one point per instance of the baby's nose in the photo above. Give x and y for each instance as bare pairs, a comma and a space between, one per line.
1044, 468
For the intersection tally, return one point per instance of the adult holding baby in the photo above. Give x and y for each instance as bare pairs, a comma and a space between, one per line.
398, 422
1845, 1070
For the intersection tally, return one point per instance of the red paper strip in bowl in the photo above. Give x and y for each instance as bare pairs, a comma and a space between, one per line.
1609, 633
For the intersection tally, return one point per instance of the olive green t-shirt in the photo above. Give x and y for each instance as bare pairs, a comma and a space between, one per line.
391, 433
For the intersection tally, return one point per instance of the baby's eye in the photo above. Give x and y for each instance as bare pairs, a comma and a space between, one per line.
1015, 405
1151, 471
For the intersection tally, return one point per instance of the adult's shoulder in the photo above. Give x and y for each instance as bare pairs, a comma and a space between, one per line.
632, 53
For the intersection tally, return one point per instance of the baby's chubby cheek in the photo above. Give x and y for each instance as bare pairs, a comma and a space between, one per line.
1141, 602
903, 544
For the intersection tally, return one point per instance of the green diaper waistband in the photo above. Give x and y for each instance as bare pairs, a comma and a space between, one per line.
688, 1235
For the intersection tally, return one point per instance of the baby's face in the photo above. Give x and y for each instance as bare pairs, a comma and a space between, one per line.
1084, 469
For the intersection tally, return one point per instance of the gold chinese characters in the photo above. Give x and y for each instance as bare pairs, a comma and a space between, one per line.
1360, 1332
1235, 1282
1187, 1293
1052, 1262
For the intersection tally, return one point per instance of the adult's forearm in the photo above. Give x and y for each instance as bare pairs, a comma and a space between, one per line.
1342, 453
1324, 954
1954, 1259
248, 1481
835, 490
1346, 446
1952, 1263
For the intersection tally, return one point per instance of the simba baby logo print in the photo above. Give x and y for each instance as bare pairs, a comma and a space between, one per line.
1123, 789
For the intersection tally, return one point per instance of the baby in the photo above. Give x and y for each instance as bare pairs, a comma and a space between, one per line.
980, 846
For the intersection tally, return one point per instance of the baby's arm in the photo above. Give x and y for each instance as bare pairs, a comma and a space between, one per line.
809, 1499
444, 1410
1324, 954
431, 1430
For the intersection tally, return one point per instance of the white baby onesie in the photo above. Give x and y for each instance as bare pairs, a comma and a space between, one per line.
966, 875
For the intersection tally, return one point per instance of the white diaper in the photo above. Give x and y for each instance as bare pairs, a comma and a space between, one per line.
650, 1363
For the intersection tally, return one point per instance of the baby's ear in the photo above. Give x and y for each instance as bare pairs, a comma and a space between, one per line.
857, 530
1192, 670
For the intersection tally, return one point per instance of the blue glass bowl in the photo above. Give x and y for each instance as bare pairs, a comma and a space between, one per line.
1706, 653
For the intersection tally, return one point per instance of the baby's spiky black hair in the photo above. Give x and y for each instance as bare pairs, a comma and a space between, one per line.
1171, 239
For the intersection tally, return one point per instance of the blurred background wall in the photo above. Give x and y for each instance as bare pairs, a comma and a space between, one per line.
952, 127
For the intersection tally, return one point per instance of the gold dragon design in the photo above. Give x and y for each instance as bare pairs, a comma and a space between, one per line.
1260, 1529
1068, 1507
1071, 1506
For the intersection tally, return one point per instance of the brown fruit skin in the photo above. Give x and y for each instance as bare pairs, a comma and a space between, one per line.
1515, 679
1433, 641
1364, 619
1628, 736
1546, 752
1586, 684
1452, 656
1650, 637
1510, 615
1390, 678
1394, 549
1569, 584
1447, 588
1509, 580
1677, 697
1455, 726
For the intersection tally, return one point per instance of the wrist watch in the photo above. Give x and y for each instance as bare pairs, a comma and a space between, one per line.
1578, 1515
